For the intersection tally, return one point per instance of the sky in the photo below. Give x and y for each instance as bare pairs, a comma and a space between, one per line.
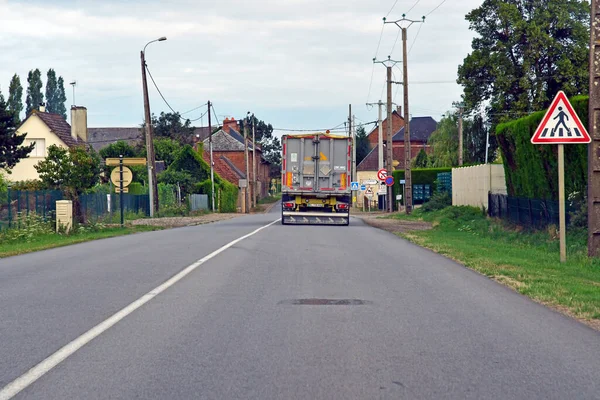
296, 64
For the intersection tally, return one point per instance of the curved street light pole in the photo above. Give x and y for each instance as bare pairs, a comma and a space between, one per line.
152, 186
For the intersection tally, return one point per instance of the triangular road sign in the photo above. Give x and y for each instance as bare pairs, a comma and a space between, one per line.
560, 125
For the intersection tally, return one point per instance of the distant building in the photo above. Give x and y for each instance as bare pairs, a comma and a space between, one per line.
47, 129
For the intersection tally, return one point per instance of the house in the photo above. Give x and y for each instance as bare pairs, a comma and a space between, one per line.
228, 147
102, 137
47, 129
421, 129
397, 124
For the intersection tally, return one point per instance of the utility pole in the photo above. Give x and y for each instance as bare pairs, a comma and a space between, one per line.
389, 164
253, 161
379, 134
210, 148
404, 24
594, 147
461, 109
354, 148
152, 187
247, 194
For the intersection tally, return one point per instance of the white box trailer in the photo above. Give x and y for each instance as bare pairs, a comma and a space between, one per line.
316, 179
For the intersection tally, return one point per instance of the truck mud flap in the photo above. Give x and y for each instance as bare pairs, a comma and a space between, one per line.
295, 218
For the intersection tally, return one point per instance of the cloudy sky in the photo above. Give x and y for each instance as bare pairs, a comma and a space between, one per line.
295, 63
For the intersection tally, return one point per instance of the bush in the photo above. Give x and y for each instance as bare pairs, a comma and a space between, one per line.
438, 201
28, 185
27, 227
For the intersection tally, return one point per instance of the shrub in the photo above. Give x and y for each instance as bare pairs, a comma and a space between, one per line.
438, 201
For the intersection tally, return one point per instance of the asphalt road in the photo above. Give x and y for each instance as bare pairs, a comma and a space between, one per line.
410, 324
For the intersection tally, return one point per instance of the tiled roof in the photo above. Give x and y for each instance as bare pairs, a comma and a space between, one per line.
58, 126
421, 129
223, 168
102, 137
397, 123
371, 161
232, 141
202, 132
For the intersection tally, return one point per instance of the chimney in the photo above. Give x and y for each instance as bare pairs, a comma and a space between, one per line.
79, 123
399, 110
230, 123
43, 107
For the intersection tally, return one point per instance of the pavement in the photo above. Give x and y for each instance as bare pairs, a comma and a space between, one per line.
290, 312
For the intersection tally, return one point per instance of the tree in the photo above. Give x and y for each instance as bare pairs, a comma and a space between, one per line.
55, 94
34, 91
166, 150
61, 98
189, 161
363, 147
421, 160
11, 144
72, 170
51, 91
15, 98
169, 125
525, 51
270, 145
444, 142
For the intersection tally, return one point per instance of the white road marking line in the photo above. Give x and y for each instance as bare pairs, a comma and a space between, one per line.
16, 386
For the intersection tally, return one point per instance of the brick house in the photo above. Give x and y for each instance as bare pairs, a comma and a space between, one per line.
228, 148
421, 129
397, 124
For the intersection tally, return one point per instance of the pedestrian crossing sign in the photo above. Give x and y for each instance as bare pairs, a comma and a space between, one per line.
561, 125
354, 186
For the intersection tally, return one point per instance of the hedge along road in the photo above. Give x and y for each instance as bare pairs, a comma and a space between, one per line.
289, 312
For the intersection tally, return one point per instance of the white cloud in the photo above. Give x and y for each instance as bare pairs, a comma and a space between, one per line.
267, 55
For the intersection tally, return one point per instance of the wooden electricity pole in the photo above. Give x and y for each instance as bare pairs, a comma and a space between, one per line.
404, 24
594, 147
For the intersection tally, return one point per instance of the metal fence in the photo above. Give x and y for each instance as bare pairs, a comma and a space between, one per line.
100, 205
533, 213
14, 203
198, 202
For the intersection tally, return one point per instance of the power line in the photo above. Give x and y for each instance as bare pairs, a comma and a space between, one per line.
416, 36
200, 117
373, 69
414, 5
439, 5
396, 41
392, 9
194, 109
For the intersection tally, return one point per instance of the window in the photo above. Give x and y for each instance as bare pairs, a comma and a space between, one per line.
39, 150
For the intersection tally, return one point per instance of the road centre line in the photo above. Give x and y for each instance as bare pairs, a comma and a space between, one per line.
22, 382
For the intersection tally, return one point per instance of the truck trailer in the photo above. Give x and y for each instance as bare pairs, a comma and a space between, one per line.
316, 179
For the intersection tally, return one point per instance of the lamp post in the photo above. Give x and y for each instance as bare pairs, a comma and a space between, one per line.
152, 186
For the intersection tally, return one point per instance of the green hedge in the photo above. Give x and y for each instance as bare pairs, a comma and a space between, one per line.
532, 170
226, 198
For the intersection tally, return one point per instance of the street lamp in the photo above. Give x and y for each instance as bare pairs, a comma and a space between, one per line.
152, 186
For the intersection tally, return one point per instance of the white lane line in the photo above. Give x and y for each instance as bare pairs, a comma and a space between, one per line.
16, 386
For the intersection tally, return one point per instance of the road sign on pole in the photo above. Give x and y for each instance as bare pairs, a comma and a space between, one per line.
363, 188
561, 126
354, 186
389, 181
381, 174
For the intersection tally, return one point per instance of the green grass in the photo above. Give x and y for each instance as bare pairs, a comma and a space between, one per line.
270, 199
52, 240
526, 261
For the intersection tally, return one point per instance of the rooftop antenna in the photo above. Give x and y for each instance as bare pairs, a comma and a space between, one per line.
73, 84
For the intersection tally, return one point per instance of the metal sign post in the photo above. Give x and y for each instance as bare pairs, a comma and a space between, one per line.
121, 189
561, 126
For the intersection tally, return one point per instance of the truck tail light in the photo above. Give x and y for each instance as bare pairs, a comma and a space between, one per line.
288, 205
343, 206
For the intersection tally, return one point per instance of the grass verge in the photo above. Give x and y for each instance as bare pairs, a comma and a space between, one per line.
52, 240
526, 261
